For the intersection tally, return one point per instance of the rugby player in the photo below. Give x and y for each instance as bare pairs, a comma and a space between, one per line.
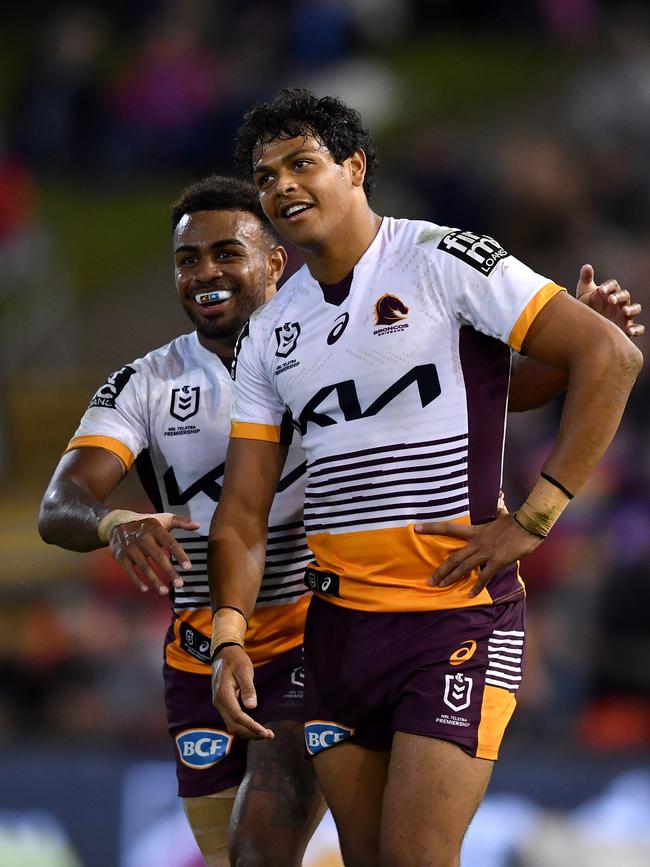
391, 350
169, 413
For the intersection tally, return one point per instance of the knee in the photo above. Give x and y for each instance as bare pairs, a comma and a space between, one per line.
255, 855
414, 858
356, 857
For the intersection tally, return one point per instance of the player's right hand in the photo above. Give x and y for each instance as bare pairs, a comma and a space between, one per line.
137, 545
232, 680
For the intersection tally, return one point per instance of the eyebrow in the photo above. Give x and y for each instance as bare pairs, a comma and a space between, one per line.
258, 169
192, 248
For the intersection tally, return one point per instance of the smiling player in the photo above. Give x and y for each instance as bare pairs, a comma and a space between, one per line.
169, 412
391, 350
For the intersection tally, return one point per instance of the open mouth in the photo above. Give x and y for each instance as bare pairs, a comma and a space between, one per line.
294, 211
210, 299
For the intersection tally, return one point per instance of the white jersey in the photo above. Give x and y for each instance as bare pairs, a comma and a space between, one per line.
169, 412
397, 382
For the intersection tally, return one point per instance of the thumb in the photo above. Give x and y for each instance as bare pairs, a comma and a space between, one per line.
247, 694
585, 280
184, 523
169, 520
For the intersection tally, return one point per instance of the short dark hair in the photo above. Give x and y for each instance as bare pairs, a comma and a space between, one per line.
219, 193
296, 111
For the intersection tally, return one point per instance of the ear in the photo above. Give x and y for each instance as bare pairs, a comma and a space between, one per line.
276, 262
357, 164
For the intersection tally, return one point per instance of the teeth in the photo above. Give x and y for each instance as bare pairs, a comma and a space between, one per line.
213, 297
294, 209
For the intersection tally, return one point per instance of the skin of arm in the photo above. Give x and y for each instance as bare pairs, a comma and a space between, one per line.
73, 503
534, 384
73, 506
236, 556
601, 365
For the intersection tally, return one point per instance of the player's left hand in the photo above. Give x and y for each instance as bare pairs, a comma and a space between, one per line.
610, 301
489, 547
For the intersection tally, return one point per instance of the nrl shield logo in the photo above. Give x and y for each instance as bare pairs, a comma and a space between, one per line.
458, 691
185, 402
287, 337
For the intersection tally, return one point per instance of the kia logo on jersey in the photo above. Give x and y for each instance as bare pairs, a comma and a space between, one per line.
287, 337
185, 402
389, 310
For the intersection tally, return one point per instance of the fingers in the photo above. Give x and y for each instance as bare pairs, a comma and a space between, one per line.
445, 528
456, 567
585, 280
232, 682
144, 550
183, 523
612, 292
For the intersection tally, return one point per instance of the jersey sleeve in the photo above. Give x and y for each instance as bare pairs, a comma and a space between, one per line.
257, 411
488, 288
114, 419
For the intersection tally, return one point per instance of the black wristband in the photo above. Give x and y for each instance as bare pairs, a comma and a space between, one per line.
223, 644
557, 484
233, 608
532, 533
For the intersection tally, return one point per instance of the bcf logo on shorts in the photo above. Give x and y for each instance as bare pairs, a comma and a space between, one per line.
458, 691
320, 735
202, 748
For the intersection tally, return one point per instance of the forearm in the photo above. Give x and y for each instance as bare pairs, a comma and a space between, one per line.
236, 556
69, 517
598, 389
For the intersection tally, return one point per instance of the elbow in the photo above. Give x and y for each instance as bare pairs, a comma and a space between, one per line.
629, 359
616, 354
44, 525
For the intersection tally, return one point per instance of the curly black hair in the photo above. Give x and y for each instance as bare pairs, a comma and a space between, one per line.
296, 111
218, 193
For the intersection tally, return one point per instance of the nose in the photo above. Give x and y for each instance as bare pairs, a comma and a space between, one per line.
286, 183
208, 270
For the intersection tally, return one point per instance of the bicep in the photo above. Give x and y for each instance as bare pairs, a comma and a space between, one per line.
93, 471
565, 330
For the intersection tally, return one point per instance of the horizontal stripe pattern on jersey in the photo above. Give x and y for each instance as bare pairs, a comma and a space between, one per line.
399, 392
422, 481
286, 560
169, 413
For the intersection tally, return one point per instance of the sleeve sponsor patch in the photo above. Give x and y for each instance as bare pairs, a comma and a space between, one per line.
110, 391
480, 251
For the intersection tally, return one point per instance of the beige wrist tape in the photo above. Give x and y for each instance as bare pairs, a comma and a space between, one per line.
124, 516
228, 624
542, 508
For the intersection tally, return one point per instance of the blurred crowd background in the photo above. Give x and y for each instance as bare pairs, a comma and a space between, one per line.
526, 121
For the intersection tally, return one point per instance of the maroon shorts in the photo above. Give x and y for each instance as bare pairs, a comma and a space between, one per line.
449, 674
208, 758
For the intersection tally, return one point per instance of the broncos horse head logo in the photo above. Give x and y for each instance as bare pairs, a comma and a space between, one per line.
389, 310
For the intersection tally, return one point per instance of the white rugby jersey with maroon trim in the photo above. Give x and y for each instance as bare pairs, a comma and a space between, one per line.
399, 390
169, 412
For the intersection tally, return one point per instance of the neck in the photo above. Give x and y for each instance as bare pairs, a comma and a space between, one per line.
224, 347
333, 260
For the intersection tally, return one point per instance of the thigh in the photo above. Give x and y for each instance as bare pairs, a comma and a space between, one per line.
279, 804
209, 819
352, 779
208, 758
432, 792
